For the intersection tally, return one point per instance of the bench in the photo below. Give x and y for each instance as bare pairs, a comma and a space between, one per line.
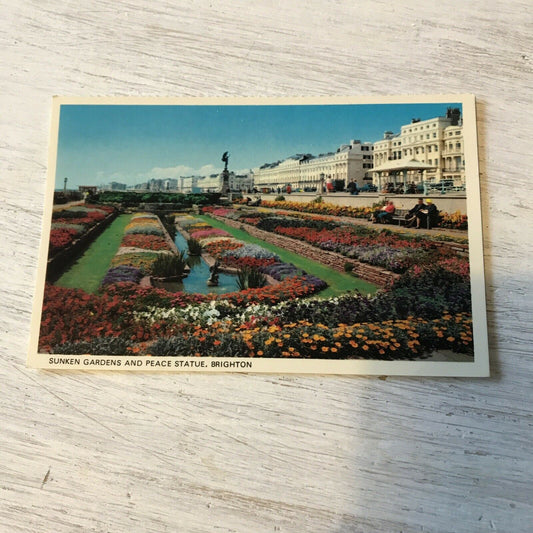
399, 217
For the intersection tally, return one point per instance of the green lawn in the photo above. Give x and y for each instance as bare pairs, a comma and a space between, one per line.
338, 282
89, 270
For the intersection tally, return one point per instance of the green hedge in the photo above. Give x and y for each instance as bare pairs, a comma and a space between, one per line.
131, 199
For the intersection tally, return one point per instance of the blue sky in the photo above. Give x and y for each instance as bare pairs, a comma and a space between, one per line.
129, 144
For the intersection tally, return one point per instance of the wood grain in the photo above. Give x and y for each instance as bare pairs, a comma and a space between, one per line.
196, 453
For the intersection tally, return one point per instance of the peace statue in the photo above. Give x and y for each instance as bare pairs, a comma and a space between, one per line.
225, 158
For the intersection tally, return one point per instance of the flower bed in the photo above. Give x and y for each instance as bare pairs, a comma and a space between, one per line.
209, 232
123, 273
452, 221
217, 247
146, 242
378, 248
427, 309
73, 222
143, 241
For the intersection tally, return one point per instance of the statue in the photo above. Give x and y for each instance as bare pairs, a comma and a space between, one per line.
213, 278
224, 188
225, 158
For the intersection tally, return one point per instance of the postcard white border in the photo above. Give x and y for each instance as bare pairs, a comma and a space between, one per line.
478, 368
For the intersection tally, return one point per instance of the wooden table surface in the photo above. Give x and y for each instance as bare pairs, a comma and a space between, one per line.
159, 453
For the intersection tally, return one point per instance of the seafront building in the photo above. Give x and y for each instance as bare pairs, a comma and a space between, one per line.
427, 151
213, 183
437, 143
350, 163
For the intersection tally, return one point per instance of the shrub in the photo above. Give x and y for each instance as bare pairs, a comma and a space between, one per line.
217, 344
195, 246
99, 346
348, 267
279, 198
169, 265
250, 278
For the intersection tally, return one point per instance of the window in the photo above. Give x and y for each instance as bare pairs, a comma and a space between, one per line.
458, 145
427, 135
429, 148
436, 148
434, 134
458, 132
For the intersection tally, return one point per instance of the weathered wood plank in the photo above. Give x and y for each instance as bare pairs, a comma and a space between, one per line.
115, 452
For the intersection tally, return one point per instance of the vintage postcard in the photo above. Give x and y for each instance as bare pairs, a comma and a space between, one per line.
287, 235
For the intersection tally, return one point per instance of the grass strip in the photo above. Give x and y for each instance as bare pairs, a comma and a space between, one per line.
89, 270
338, 282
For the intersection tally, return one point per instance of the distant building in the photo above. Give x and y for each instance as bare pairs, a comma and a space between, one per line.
213, 183
351, 162
241, 182
115, 186
91, 189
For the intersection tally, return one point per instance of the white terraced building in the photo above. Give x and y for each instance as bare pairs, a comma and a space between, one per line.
213, 183
437, 142
351, 162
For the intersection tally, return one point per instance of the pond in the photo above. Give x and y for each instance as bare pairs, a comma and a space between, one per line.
196, 281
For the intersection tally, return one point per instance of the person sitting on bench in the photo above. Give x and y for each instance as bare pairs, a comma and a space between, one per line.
410, 218
384, 214
427, 217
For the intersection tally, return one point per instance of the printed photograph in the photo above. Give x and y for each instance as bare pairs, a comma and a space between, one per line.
259, 235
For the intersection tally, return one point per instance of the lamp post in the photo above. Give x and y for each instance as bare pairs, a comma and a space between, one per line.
65, 186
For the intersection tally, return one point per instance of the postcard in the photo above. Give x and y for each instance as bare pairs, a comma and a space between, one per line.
271, 235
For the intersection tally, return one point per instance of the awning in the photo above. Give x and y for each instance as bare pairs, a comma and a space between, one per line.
401, 164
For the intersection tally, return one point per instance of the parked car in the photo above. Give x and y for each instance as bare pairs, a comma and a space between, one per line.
367, 187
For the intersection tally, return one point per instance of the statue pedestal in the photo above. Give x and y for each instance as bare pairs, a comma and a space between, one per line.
225, 182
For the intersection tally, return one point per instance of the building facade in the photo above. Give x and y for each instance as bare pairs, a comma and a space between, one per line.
305, 172
213, 183
437, 142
